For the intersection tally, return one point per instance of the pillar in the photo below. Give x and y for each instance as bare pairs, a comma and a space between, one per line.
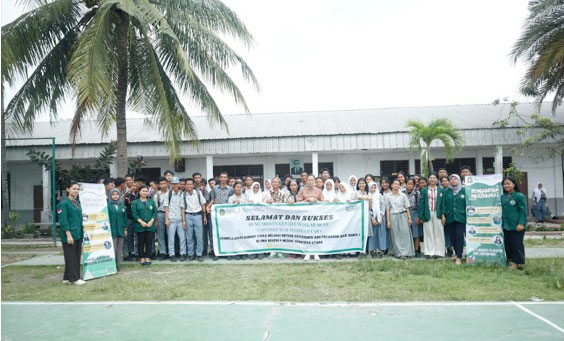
498, 163
411, 165
209, 166
315, 163
46, 213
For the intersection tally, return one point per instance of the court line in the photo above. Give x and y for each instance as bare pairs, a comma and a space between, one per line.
539, 317
291, 304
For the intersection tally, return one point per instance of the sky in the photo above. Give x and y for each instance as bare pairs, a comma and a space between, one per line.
350, 54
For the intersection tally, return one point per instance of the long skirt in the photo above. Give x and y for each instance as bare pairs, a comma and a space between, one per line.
434, 237
401, 244
380, 235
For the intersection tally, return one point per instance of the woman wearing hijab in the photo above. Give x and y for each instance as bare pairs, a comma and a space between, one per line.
455, 214
398, 222
329, 194
267, 185
378, 232
343, 194
118, 222
539, 202
255, 196
351, 184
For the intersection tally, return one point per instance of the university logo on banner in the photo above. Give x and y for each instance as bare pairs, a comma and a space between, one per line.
484, 234
98, 254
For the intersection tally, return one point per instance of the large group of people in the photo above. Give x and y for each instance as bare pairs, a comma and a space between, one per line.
404, 212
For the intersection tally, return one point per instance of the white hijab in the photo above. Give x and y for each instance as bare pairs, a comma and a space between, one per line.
348, 185
346, 196
254, 197
376, 212
329, 195
537, 193
269, 184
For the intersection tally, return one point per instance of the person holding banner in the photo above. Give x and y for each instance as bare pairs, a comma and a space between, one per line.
329, 193
514, 220
431, 210
398, 220
455, 214
69, 213
144, 212
343, 194
310, 194
118, 223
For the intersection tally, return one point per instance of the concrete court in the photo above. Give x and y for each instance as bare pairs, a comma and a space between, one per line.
188, 320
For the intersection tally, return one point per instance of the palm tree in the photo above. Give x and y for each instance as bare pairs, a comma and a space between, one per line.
113, 54
541, 45
422, 136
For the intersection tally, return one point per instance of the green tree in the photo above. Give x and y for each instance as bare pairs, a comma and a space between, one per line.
541, 45
113, 54
422, 136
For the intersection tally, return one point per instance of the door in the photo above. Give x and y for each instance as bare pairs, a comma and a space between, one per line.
37, 203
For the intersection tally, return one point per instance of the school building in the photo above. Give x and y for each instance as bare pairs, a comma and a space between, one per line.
348, 142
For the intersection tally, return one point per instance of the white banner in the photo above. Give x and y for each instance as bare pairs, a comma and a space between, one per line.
302, 228
97, 246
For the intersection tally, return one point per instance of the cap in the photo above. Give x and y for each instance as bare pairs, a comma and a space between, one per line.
175, 180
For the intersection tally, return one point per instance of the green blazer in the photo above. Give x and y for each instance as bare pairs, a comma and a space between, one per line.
70, 219
424, 212
455, 206
145, 211
513, 210
118, 219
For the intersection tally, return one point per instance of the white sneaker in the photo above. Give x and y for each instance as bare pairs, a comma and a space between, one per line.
66, 281
306, 258
316, 257
79, 282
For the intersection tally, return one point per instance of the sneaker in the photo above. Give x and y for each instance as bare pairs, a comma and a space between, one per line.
306, 258
238, 257
244, 257
316, 257
280, 255
418, 254
200, 258
192, 258
173, 259
338, 256
272, 255
66, 281
153, 256
79, 282
215, 258
162, 257
183, 258
260, 256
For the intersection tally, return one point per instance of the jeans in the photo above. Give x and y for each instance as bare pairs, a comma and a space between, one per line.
205, 238
540, 210
176, 228
131, 242
194, 227
161, 231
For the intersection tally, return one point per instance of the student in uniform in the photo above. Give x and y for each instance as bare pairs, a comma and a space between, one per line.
455, 213
398, 220
416, 229
431, 210
195, 206
377, 230
402, 179
69, 213
175, 220
514, 220
329, 193
144, 211
118, 223
160, 197
445, 185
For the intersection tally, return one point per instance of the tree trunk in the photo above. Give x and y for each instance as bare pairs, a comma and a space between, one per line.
5, 202
121, 124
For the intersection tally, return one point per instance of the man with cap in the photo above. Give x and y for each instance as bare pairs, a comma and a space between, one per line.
175, 219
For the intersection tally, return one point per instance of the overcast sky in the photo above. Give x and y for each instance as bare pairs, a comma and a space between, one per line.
350, 54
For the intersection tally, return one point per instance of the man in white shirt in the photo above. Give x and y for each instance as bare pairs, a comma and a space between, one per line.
160, 198
174, 219
195, 206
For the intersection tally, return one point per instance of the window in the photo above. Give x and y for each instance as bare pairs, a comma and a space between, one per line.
393, 167
282, 169
452, 167
489, 167
240, 171
180, 166
308, 167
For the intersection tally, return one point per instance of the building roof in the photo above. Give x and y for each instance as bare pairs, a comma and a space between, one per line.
291, 124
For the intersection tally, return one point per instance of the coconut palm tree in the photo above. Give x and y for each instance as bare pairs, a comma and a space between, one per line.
541, 45
113, 54
422, 136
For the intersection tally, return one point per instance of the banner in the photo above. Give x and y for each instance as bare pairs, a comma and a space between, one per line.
98, 254
302, 228
484, 235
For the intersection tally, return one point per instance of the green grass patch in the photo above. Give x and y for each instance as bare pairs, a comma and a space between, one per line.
355, 281
544, 242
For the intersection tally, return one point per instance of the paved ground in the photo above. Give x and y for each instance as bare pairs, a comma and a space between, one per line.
279, 321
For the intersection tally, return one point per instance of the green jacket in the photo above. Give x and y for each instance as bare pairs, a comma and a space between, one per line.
118, 219
455, 206
70, 219
424, 212
145, 211
513, 210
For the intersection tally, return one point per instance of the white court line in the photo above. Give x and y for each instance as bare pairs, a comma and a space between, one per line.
539, 317
292, 304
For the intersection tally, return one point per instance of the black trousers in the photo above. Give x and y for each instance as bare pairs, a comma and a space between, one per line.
456, 232
72, 260
514, 248
144, 241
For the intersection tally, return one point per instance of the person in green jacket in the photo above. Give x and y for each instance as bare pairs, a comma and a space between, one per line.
455, 214
431, 208
69, 213
514, 220
118, 222
144, 212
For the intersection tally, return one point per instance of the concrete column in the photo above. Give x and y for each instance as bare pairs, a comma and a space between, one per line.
479, 163
411, 165
46, 213
114, 171
209, 166
498, 163
315, 163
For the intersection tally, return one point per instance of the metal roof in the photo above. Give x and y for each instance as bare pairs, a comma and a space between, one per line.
293, 124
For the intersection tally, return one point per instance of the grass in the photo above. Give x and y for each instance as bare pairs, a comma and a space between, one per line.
13, 258
356, 281
31, 248
544, 242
